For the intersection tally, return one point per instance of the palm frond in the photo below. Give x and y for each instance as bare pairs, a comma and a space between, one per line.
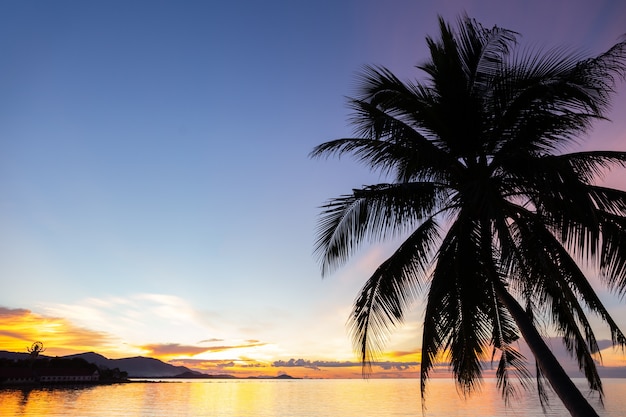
512, 364
388, 293
589, 166
511, 361
560, 197
612, 253
543, 101
482, 51
542, 391
387, 108
608, 200
457, 320
390, 146
371, 214
600, 73
559, 283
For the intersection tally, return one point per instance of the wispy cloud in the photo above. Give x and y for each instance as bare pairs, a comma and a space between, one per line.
128, 326
172, 350
141, 318
314, 364
168, 351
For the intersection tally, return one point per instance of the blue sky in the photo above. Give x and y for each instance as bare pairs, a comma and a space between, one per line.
155, 185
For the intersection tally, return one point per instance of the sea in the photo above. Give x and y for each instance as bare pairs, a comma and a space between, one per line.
289, 398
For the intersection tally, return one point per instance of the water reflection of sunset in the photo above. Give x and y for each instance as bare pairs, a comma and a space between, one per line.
301, 398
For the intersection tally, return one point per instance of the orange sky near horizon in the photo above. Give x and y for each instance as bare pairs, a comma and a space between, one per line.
156, 194
19, 328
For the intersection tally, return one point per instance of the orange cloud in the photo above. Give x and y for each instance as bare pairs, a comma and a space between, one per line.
613, 357
171, 351
168, 351
213, 366
406, 356
19, 328
222, 348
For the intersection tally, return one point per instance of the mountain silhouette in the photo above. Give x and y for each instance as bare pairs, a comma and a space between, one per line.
136, 367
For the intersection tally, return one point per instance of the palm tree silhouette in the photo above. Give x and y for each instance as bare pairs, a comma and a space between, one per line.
34, 350
495, 220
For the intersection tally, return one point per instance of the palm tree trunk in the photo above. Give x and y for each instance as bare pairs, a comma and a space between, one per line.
570, 396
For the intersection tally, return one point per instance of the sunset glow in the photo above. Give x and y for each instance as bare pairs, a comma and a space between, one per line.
156, 194
19, 328
245, 358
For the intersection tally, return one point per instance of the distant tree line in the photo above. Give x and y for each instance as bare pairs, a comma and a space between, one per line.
106, 374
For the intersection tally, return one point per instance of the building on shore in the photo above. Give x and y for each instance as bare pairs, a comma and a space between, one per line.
25, 376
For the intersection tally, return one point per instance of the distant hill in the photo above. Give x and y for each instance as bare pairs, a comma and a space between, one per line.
137, 367
14, 356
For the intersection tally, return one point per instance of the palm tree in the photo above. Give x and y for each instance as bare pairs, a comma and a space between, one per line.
495, 221
34, 351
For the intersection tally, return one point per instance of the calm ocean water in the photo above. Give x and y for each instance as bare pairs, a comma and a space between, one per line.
292, 398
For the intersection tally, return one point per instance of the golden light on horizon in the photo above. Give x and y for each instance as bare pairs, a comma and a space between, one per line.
19, 328
613, 356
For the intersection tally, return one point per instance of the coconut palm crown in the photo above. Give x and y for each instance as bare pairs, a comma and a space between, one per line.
496, 222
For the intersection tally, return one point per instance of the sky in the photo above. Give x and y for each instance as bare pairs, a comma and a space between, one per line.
156, 194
